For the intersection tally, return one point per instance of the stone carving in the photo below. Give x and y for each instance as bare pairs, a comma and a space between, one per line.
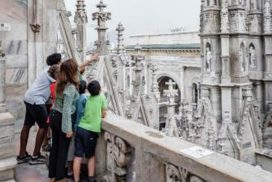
102, 17
172, 173
179, 174
80, 14
120, 45
225, 17
267, 8
171, 126
205, 121
208, 59
237, 21
252, 57
118, 154
267, 16
155, 86
171, 93
250, 115
242, 60
211, 21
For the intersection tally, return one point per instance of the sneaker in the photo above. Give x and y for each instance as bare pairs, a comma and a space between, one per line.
38, 159
23, 159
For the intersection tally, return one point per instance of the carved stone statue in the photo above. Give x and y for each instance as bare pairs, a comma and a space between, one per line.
252, 57
267, 16
253, 5
172, 128
208, 59
267, 8
225, 17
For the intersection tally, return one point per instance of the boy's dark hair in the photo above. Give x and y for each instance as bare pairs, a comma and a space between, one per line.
82, 87
94, 88
53, 59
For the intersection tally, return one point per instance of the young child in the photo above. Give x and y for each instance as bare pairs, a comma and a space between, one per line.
81, 102
88, 129
80, 106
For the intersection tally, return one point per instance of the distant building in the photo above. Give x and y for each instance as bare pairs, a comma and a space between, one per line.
177, 57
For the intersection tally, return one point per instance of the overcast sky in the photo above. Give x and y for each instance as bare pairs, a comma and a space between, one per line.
144, 16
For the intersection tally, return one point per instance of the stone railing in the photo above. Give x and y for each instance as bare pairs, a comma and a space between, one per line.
131, 152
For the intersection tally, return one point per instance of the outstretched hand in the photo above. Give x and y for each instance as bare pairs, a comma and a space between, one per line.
94, 57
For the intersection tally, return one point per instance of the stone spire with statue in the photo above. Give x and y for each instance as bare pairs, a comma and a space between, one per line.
120, 39
102, 17
81, 20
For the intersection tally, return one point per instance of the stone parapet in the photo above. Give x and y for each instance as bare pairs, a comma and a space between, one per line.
138, 153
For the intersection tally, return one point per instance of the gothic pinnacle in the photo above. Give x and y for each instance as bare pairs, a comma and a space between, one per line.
120, 46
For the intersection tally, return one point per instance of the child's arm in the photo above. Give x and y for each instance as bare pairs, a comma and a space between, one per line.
104, 113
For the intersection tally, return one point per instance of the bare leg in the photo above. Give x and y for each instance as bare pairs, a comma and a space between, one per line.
45, 140
76, 168
23, 140
91, 166
39, 140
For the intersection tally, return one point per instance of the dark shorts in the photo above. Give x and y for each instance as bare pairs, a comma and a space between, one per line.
36, 113
85, 143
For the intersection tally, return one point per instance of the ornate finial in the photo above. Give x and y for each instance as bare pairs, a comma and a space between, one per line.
120, 46
101, 6
80, 12
102, 17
